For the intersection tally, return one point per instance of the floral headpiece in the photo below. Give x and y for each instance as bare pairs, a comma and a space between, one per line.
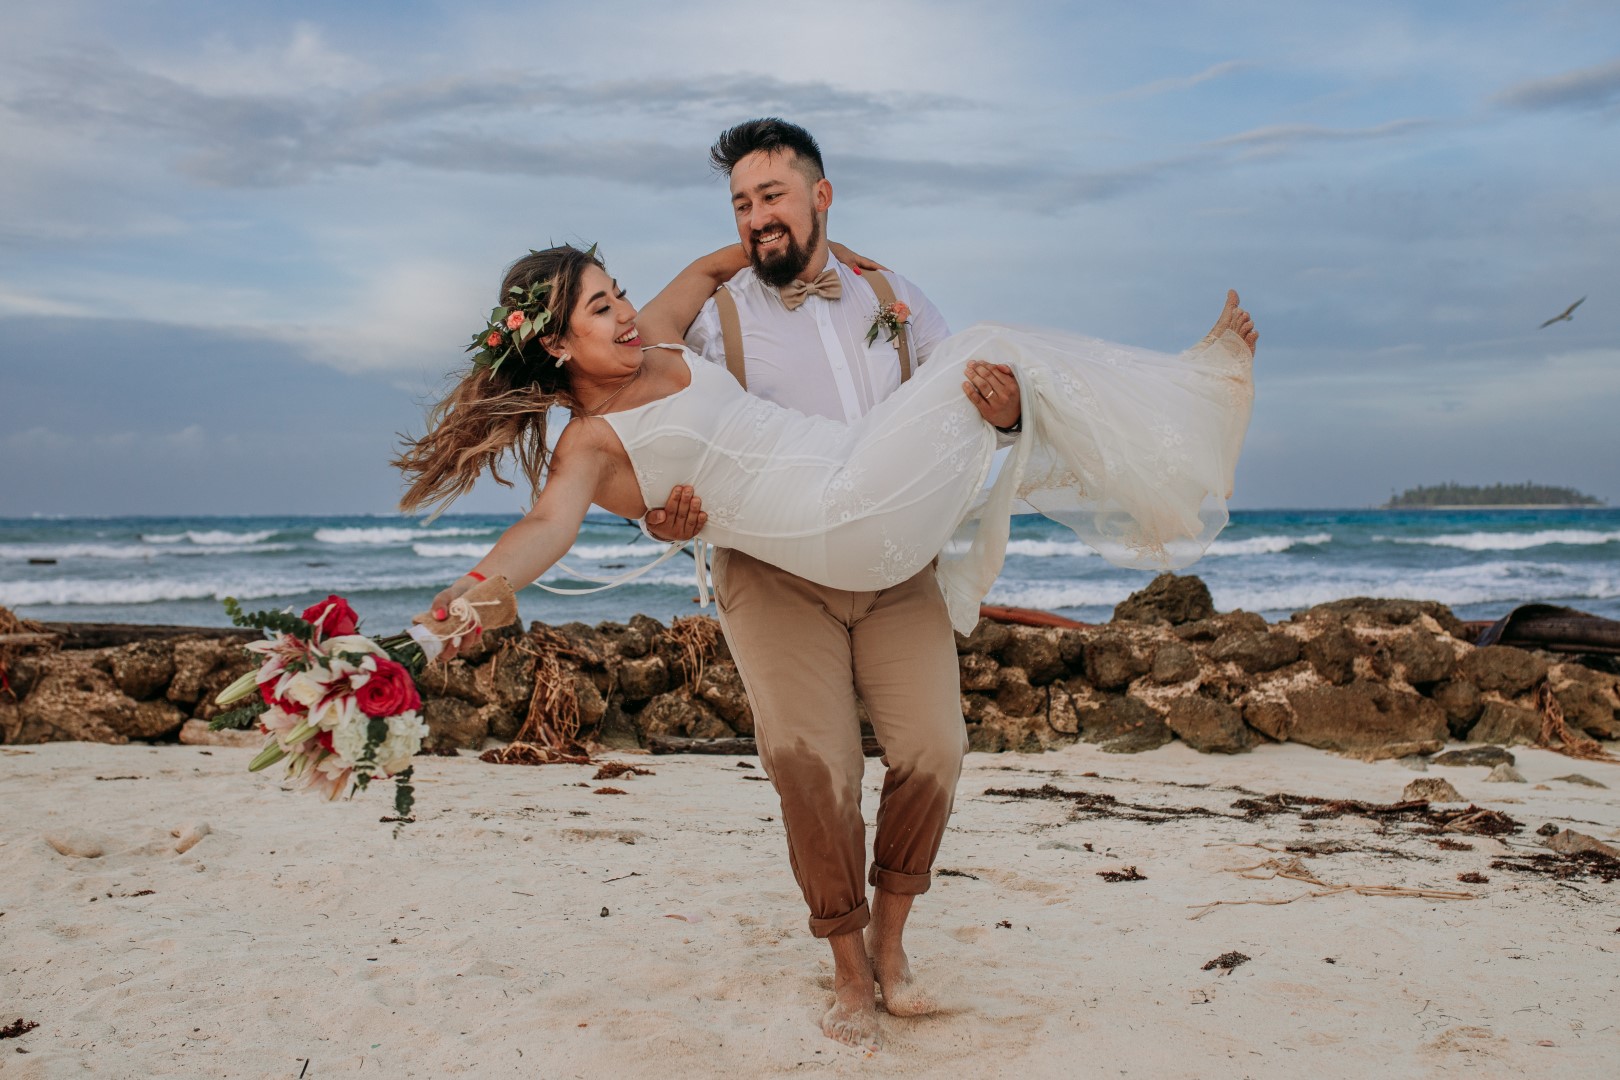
524, 315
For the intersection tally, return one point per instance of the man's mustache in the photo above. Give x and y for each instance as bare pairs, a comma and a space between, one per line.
757, 233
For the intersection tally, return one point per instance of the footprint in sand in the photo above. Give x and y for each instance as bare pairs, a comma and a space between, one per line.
1011, 879
623, 836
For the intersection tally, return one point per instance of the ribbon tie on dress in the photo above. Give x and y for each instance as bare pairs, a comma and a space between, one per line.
825, 284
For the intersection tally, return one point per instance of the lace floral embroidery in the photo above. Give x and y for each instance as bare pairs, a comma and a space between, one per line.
897, 561
1168, 455
723, 516
845, 497
950, 439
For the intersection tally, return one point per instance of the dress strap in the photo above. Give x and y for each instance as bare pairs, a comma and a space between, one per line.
607, 583
700, 556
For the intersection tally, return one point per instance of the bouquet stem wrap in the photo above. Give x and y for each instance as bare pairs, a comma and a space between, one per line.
488, 605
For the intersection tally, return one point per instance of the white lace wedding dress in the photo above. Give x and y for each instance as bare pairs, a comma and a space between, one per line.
1133, 450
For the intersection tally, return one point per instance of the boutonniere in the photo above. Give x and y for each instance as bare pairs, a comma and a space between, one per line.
889, 321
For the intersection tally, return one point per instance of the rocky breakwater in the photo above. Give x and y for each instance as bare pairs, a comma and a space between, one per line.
1372, 678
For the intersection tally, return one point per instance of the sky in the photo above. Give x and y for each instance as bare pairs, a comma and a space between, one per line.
241, 247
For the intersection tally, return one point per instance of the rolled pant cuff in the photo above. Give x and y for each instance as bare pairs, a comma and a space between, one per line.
841, 924
892, 881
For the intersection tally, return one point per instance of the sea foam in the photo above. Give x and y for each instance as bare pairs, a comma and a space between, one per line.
1509, 541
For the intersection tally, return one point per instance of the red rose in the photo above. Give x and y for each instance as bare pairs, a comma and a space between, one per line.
389, 692
494, 339
267, 691
340, 617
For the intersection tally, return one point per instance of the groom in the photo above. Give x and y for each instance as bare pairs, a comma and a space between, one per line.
794, 328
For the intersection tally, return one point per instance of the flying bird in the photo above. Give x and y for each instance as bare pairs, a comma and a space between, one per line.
1565, 316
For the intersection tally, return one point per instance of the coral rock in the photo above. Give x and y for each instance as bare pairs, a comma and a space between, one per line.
1503, 669
1173, 662
1432, 788
1209, 726
142, 669
1359, 718
1255, 652
1121, 724
1113, 659
1169, 598
1507, 725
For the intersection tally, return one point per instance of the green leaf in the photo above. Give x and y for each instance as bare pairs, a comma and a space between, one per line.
239, 719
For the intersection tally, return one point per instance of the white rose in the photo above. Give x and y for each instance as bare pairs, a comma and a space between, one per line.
306, 687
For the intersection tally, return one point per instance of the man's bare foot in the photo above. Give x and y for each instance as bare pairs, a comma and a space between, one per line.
902, 995
852, 1020
1235, 319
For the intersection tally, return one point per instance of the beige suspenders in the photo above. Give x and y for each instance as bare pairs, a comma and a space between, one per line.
885, 295
731, 335
731, 328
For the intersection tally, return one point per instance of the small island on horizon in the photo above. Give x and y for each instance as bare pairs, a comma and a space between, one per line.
1452, 496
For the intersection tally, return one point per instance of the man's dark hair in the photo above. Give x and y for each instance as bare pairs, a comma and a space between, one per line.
770, 135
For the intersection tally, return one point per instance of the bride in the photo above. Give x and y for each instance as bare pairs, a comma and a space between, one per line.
1133, 450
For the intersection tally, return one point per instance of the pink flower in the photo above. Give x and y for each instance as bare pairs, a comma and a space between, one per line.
514, 320
900, 311
494, 339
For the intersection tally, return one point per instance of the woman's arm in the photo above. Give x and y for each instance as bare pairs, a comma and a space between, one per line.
546, 532
667, 315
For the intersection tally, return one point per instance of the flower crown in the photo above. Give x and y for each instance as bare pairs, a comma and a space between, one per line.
524, 315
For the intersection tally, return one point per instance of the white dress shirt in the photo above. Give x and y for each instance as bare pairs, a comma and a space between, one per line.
816, 359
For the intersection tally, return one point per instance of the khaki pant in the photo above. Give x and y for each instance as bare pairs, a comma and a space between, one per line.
805, 653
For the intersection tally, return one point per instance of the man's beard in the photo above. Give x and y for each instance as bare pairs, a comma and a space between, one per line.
788, 265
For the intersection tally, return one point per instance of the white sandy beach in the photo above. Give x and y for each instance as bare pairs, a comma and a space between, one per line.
528, 927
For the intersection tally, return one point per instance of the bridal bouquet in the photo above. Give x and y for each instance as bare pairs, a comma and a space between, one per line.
340, 708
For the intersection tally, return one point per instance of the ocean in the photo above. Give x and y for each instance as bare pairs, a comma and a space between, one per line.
177, 569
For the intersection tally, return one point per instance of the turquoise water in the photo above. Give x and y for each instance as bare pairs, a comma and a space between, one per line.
176, 570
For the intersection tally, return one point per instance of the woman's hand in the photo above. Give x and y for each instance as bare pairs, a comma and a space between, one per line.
440, 609
849, 258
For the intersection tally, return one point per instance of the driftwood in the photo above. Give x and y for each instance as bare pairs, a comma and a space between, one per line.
1556, 629
738, 747
29, 639
1027, 617
77, 635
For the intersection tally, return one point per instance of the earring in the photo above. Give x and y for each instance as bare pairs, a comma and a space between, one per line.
561, 359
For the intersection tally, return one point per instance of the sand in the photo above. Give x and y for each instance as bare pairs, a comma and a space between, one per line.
526, 926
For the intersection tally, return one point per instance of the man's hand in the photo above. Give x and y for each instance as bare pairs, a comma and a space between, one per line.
681, 517
994, 391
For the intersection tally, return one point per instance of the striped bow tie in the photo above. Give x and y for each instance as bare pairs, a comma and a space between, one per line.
825, 284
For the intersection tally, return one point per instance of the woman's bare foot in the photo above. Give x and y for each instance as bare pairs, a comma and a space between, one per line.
902, 996
1235, 319
852, 1020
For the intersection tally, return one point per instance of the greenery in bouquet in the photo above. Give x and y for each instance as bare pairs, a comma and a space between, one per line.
340, 708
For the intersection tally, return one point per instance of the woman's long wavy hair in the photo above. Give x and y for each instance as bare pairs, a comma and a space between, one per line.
489, 414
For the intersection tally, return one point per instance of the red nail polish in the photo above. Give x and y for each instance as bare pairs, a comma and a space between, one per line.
440, 614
